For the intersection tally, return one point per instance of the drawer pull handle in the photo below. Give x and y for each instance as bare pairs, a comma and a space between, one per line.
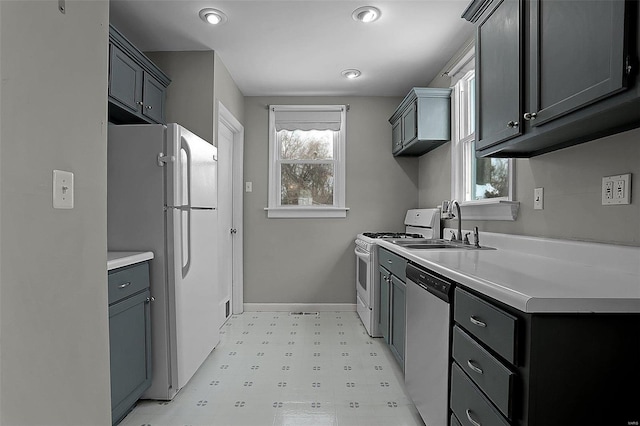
477, 322
473, 422
125, 285
389, 261
474, 367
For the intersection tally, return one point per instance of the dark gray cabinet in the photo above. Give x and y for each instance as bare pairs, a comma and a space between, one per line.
587, 65
498, 75
399, 318
512, 368
421, 122
392, 319
384, 308
553, 73
137, 88
129, 337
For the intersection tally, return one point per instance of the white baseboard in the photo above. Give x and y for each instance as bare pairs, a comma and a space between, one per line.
300, 307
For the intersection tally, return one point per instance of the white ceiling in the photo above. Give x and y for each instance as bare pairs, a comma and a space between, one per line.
300, 47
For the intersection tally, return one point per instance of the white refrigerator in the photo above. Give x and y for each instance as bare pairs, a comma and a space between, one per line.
162, 197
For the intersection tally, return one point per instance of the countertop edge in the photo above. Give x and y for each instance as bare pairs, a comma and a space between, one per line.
120, 259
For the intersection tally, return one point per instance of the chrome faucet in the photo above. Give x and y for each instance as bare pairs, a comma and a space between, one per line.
459, 217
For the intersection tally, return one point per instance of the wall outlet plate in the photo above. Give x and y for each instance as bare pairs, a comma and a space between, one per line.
616, 189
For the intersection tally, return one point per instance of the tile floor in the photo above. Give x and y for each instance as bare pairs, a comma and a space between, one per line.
273, 368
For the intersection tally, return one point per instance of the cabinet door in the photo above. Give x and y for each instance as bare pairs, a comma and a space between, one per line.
125, 80
383, 308
576, 53
409, 125
396, 136
399, 320
130, 350
498, 75
154, 93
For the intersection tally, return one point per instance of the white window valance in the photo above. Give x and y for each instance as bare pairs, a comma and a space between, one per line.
308, 119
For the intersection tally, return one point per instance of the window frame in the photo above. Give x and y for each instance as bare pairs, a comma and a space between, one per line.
338, 210
463, 147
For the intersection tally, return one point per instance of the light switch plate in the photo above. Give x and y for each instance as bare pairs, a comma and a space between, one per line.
62, 189
538, 198
248, 186
616, 189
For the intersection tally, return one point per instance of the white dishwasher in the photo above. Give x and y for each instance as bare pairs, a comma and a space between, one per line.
427, 346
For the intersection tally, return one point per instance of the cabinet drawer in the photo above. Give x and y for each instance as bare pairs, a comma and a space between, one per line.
124, 282
469, 405
394, 263
494, 327
491, 376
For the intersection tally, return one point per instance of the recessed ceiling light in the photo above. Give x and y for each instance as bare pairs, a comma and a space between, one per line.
366, 14
351, 73
213, 16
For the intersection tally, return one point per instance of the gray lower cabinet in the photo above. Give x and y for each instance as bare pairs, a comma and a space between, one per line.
137, 88
550, 74
399, 319
384, 308
421, 122
392, 319
512, 368
129, 337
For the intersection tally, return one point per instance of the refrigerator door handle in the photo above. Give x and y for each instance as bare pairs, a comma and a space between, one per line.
187, 176
186, 241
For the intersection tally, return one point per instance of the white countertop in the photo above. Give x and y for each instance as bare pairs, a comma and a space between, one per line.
541, 275
120, 259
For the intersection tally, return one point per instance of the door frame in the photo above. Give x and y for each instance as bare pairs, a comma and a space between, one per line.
227, 119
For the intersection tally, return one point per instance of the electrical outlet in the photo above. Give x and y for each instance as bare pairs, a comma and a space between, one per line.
616, 189
538, 198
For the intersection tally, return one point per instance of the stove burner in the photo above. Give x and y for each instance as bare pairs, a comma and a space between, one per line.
391, 235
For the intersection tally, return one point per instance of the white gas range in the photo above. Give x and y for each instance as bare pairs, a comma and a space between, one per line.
420, 223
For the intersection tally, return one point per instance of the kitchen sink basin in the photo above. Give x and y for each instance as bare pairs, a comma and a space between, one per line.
425, 244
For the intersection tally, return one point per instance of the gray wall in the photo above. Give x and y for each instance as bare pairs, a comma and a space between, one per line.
227, 92
572, 182
190, 94
312, 260
198, 80
53, 278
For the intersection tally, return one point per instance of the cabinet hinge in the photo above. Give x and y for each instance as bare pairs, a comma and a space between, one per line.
627, 65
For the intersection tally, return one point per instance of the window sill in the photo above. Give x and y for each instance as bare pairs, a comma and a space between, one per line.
306, 212
490, 210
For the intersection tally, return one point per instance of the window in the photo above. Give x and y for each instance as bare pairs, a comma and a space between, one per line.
476, 182
307, 161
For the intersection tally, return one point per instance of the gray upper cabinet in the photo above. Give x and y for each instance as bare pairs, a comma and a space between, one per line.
125, 79
422, 122
498, 76
553, 73
587, 66
136, 86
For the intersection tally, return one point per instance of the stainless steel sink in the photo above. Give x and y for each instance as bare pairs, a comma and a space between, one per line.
420, 244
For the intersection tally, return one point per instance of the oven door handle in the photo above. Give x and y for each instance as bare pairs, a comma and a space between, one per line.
361, 253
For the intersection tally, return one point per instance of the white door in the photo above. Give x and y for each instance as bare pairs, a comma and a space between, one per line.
230, 137
225, 219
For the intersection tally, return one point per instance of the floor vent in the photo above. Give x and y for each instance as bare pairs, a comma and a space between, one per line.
303, 313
